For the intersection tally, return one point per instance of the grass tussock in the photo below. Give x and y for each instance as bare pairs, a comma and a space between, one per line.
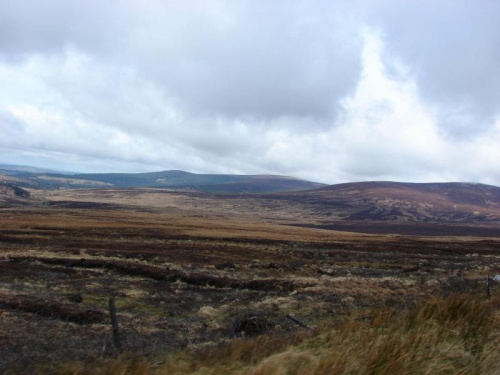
456, 335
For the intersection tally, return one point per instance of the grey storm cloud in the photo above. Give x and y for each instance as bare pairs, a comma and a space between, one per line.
326, 90
228, 58
453, 48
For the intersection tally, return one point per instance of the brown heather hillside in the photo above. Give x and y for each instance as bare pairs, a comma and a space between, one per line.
451, 203
392, 201
368, 207
183, 267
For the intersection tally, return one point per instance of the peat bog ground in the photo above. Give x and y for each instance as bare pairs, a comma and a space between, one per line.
182, 271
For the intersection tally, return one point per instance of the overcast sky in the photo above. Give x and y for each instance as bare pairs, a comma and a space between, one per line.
331, 91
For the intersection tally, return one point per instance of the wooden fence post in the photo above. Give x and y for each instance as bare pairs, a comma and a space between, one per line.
234, 327
488, 295
114, 324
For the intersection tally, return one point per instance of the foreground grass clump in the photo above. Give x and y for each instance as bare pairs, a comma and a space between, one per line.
457, 335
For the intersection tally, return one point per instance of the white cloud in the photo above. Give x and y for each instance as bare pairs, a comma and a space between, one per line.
327, 91
386, 127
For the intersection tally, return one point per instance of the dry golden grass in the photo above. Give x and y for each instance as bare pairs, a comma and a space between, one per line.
181, 223
458, 335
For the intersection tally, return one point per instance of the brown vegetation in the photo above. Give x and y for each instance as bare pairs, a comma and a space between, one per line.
162, 274
441, 336
183, 268
52, 309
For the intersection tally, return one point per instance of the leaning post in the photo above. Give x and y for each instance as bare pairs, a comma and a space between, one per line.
488, 294
114, 324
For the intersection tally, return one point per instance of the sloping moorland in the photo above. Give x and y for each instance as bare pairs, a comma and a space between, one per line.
366, 207
183, 266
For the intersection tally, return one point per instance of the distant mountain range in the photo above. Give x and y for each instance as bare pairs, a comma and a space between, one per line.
361, 206
12, 169
178, 180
